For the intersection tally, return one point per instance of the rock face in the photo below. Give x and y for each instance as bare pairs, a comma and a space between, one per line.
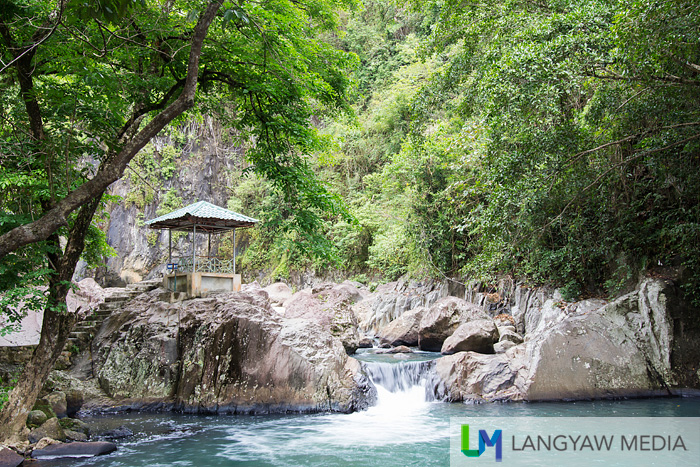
404, 329
641, 344
478, 336
227, 354
392, 300
443, 318
331, 308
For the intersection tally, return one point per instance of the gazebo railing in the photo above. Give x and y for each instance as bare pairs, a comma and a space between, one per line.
210, 264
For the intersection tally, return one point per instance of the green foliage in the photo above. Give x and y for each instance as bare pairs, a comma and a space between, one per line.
169, 203
5, 388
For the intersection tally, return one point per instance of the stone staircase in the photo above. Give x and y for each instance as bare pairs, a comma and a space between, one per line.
85, 330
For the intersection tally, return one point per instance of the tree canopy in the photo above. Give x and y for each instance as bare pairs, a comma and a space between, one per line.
86, 85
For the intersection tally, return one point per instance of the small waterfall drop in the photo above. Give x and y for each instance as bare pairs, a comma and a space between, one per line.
412, 382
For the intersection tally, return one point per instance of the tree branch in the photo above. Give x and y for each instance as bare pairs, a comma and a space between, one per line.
112, 168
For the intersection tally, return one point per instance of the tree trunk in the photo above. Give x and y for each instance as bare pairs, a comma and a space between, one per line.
56, 326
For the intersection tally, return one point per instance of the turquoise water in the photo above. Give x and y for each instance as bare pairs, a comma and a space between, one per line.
403, 429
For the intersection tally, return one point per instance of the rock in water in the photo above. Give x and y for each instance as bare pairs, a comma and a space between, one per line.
443, 318
120, 432
330, 307
404, 329
9, 458
395, 350
76, 449
474, 376
478, 336
229, 354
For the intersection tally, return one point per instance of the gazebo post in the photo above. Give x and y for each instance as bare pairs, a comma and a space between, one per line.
194, 249
234, 250
170, 246
209, 245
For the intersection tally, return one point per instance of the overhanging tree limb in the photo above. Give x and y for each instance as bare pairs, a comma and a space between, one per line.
114, 165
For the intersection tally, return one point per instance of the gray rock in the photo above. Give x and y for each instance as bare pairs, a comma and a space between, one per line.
279, 292
75, 425
512, 336
57, 401
9, 458
234, 355
502, 346
365, 343
120, 432
443, 318
331, 307
394, 350
77, 449
502, 329
36, 418
75, 436
470, 375
642, 344
622, 349
50, 429
478, 336
403, 330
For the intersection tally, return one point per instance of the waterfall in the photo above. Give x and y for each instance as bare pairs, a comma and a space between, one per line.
416, 381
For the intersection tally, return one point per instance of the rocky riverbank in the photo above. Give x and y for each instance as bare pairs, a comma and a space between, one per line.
272, 350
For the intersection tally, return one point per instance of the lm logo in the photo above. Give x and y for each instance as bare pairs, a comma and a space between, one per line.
484, 441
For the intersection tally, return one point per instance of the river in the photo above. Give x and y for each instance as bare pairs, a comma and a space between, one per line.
406, 427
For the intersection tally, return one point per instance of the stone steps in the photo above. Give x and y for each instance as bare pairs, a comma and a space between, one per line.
84, 331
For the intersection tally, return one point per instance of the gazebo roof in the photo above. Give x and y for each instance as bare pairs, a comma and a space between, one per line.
205, 216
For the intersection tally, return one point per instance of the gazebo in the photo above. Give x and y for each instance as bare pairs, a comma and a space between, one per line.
192, 274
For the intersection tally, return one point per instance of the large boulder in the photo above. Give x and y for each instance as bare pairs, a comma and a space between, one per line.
228, 354
85, 298
478, 335
331, 308
625, 348
475, 376
443, 318
404, 329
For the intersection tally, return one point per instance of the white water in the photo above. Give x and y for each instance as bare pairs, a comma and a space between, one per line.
406, 427
402, 415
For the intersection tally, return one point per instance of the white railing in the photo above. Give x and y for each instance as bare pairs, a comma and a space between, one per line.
206, 264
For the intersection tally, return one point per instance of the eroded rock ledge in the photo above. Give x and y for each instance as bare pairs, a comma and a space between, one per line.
231, 353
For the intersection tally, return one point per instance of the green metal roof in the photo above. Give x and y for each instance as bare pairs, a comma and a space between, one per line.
205, 216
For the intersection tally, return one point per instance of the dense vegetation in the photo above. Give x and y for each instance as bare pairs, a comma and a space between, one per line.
557, 142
